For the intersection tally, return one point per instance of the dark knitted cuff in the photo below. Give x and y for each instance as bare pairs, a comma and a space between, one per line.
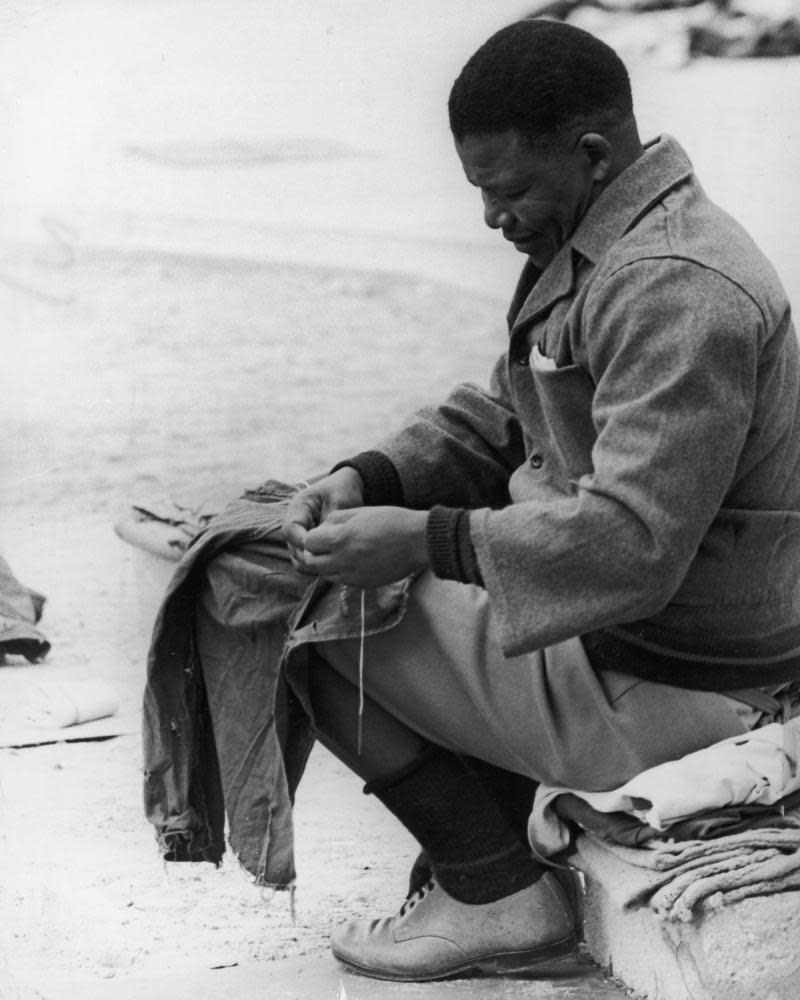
382, 484
450, 547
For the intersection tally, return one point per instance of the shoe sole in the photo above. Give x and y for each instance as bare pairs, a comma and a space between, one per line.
499, 964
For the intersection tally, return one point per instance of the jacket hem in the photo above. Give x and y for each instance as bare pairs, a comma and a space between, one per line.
608, 651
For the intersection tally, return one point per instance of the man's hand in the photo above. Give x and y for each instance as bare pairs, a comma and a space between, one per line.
367, 547
310, 507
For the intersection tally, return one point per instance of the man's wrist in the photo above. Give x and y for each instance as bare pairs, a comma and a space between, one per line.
380, 481
418, 540
350, 476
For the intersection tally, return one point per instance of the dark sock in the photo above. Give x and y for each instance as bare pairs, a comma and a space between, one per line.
513, 794
475, 853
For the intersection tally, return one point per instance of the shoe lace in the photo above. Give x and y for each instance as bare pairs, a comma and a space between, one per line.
412, 899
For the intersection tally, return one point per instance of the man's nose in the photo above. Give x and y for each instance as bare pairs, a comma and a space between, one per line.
495, 215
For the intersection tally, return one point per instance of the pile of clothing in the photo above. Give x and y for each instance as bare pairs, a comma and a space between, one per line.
716, 826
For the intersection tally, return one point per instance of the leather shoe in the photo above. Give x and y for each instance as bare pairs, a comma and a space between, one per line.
434, 936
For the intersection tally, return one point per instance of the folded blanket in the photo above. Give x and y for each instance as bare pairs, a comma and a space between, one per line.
681, 880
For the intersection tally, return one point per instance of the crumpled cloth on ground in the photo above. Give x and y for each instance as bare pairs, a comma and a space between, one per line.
20, 610
681, 880
759, 767
162, 526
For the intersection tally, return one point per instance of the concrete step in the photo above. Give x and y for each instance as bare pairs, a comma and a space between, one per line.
749, 950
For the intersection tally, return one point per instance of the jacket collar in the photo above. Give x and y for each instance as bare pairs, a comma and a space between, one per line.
662, 167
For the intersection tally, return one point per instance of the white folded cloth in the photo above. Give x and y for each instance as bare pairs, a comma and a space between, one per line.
761, 766
63, 704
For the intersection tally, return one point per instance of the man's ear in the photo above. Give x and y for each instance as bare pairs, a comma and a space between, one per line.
599, 154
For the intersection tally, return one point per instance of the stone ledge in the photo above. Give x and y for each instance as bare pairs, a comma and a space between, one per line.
747, 951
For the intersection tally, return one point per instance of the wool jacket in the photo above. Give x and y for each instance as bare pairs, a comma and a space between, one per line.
631, 474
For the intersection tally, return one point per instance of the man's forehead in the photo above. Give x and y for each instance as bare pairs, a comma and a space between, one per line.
493, 159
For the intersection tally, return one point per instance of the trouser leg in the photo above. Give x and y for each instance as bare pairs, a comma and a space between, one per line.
476, 853
490, 907
545, 714
372, 743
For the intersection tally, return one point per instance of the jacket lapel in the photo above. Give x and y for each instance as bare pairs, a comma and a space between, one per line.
556, 282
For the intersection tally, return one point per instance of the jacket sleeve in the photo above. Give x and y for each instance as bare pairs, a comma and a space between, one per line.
463, 452
673, 352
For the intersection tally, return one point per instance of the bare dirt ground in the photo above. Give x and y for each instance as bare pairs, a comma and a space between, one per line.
196, 377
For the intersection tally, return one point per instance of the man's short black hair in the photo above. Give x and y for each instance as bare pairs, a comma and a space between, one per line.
540, 77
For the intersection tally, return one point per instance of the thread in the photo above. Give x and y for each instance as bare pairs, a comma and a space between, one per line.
361, 669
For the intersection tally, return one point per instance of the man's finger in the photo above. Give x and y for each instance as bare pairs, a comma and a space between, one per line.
301, 561
317, 565
340, 515
321, 540
295, 534
304, 508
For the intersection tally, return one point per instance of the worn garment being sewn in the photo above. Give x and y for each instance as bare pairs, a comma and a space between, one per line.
227, 735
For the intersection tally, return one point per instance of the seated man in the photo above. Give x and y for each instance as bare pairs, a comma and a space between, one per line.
604, 544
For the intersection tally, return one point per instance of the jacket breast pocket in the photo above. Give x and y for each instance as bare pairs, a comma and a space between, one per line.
566, 395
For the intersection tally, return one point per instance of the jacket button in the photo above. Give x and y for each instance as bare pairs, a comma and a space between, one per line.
537, 460
524, 360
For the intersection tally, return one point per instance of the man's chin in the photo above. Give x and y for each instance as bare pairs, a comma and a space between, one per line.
531, 248
535, 252
541, 260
